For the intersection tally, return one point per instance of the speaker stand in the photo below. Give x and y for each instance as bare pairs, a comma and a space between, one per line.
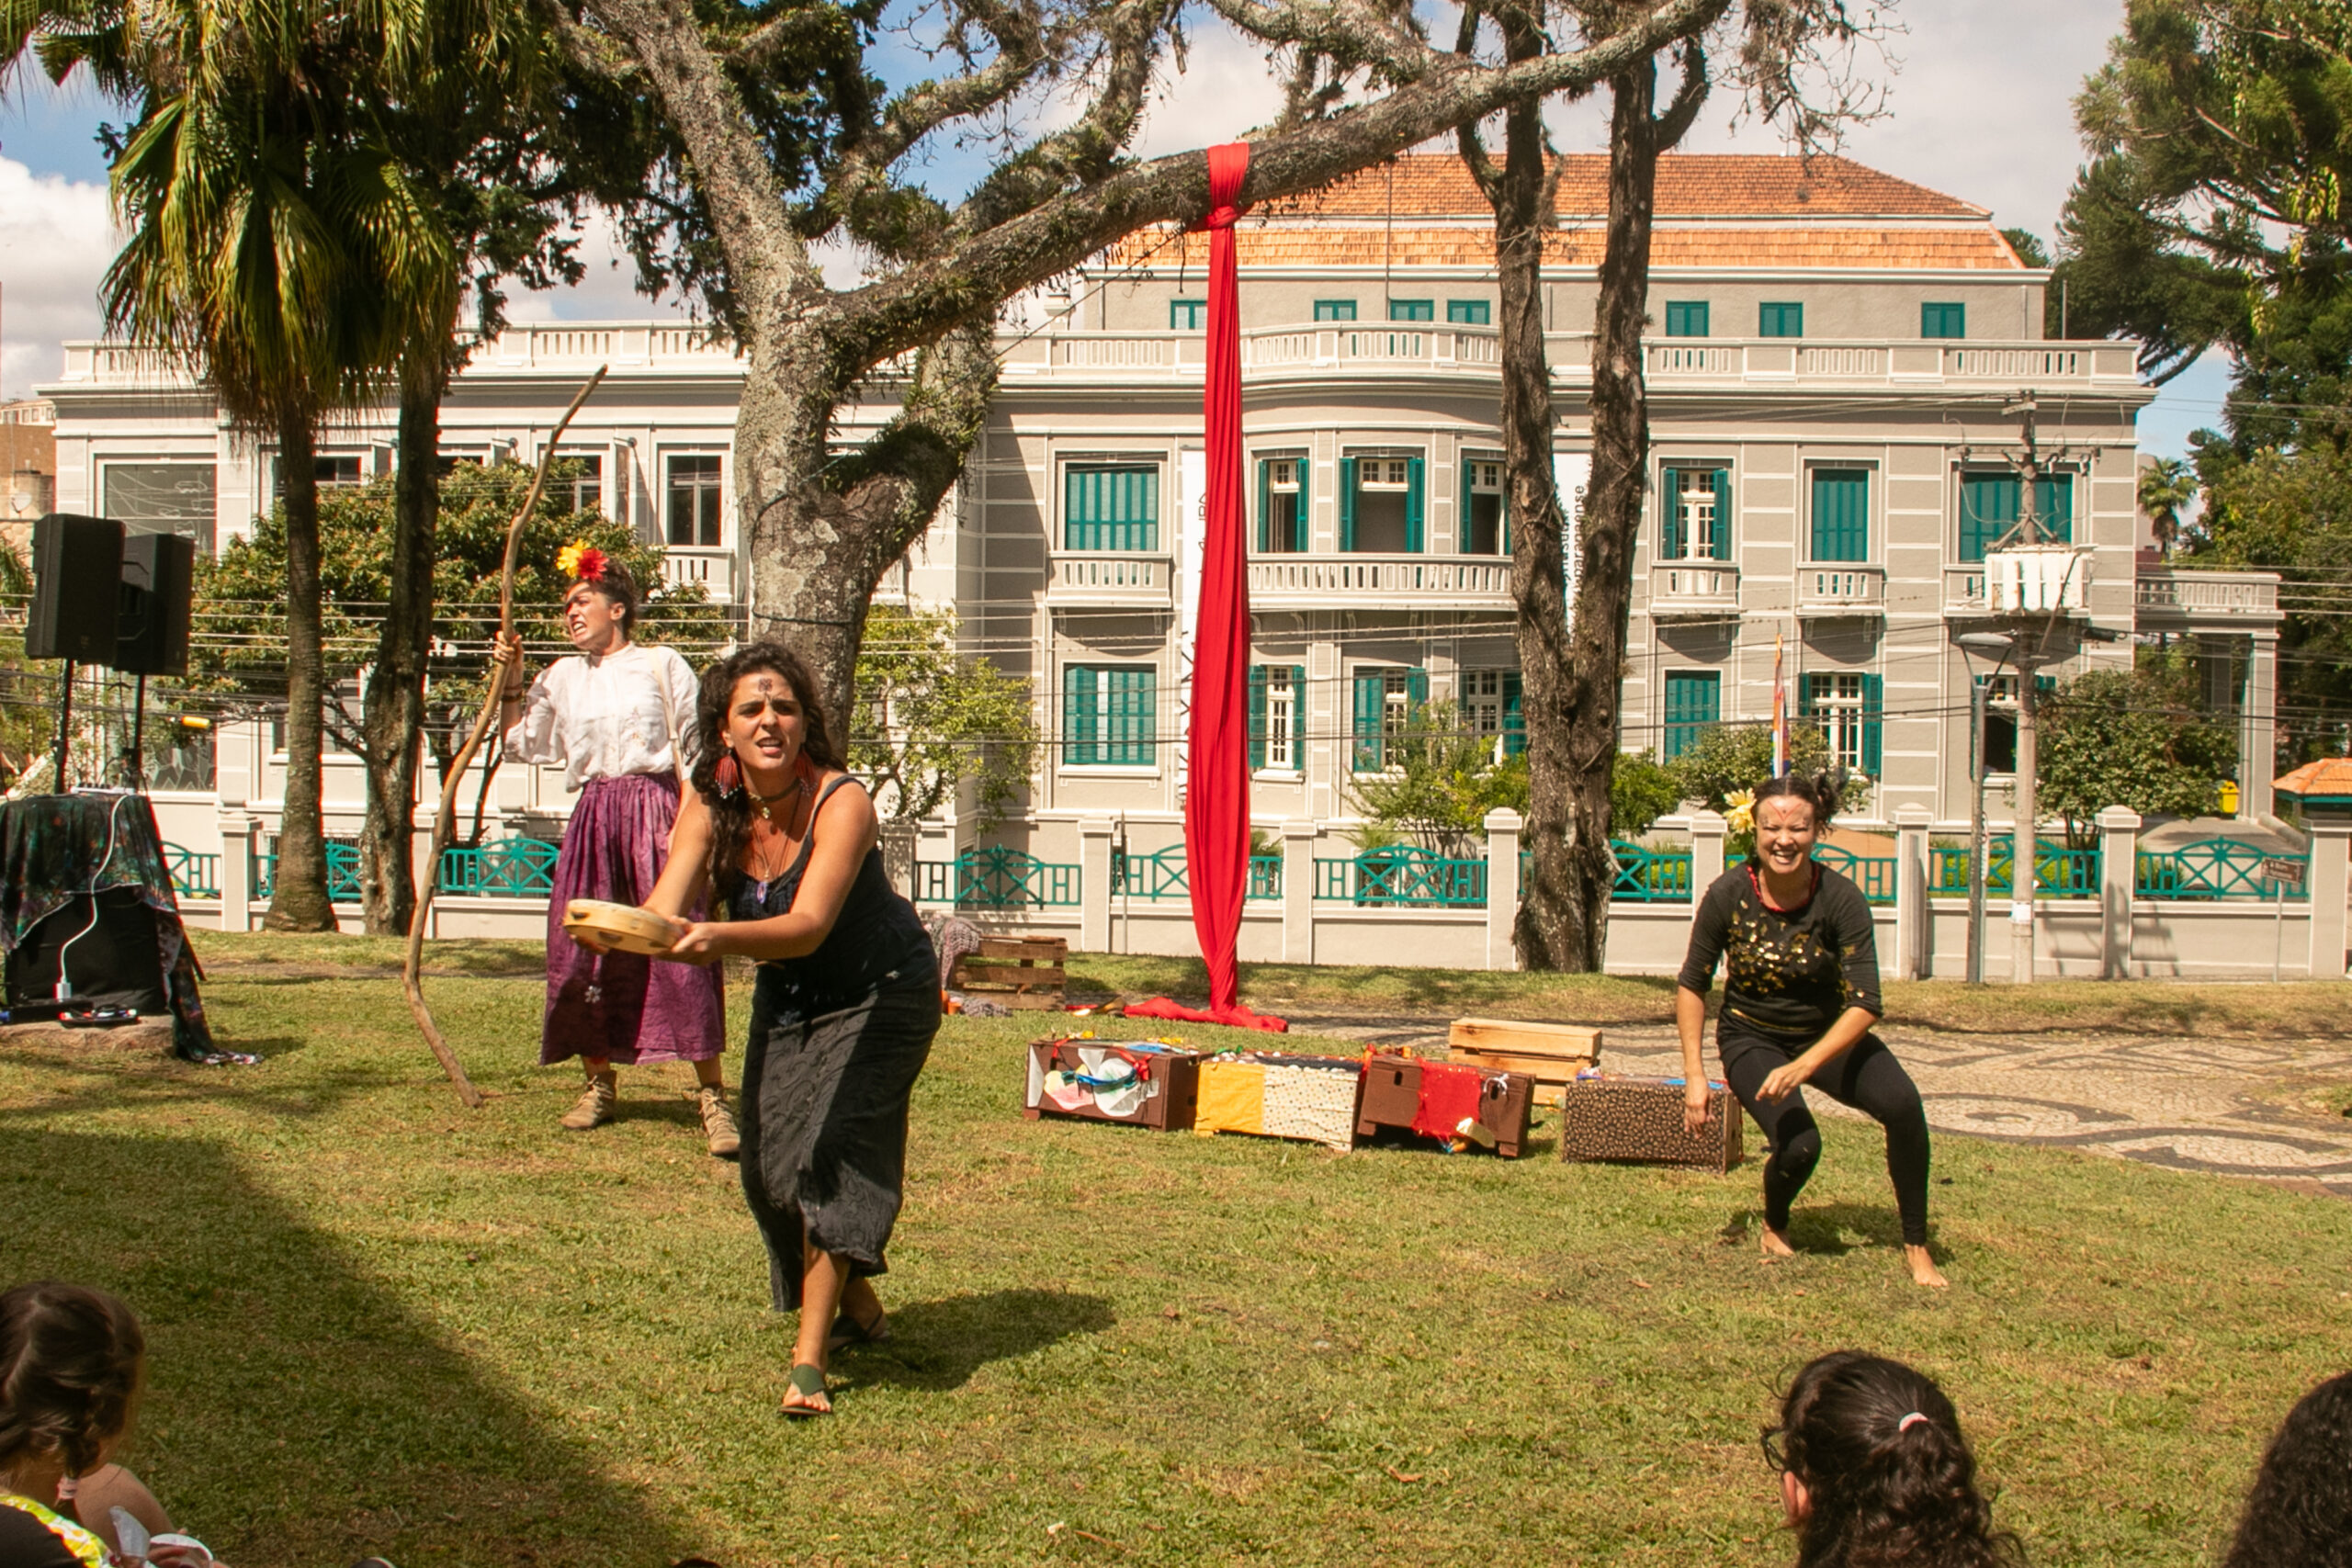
138, 737
64, 725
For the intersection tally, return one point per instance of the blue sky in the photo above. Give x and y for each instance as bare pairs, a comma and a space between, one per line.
1980, 108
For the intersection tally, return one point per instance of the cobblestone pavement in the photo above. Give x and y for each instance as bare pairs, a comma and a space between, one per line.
2230, 1106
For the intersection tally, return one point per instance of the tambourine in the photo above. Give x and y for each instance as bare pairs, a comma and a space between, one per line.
621, 928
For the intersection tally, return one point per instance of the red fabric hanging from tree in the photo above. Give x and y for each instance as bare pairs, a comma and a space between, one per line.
1216, 799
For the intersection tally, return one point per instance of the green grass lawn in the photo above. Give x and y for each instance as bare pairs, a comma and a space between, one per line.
381, 1322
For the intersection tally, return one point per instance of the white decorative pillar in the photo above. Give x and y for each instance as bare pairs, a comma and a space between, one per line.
1298, 891
2257, 727
2331, 850
1502, 886
1094, 882
1707, 831
2119, 874
237, 870
1911, 893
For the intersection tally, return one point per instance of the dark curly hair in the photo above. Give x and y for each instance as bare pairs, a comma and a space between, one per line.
615, 584
1820, 792
2299, 1510
69, 1361
730, 817
1883, 1495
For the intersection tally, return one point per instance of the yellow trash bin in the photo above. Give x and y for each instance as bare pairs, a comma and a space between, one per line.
2229, 797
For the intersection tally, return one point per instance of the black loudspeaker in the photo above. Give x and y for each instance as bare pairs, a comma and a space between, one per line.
113, 961
77, 580
158, 571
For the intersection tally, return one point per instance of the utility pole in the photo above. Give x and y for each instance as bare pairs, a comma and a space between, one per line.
2024, 846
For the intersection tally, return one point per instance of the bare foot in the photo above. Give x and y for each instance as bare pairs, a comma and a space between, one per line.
1776, 1244
1923, 1268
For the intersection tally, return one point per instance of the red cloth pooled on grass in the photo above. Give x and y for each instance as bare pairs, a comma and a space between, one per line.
1238, 1016
1450, 1095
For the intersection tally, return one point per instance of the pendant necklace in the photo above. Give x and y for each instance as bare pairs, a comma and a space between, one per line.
767, 802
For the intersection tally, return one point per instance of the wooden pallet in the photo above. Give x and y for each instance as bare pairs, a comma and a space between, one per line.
1023, 972
1551, 1053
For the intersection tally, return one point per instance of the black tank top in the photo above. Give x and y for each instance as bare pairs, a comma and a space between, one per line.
877, 943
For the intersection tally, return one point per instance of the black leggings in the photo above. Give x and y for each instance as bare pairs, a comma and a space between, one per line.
1866, 1076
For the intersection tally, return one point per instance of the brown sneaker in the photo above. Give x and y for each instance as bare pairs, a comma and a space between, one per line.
718, 1123
594, 1106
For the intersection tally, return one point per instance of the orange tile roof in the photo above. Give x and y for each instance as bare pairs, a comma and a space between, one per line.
1275, 244
2329, 778
1690, 184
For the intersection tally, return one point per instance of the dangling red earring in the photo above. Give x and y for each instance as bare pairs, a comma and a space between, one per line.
725, 777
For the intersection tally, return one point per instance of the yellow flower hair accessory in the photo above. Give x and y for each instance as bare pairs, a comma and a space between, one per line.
580, 561
1740, 811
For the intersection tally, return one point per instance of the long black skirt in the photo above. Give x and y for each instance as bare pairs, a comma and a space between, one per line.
824, 1124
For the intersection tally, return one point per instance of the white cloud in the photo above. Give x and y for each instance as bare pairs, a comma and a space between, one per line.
54, 246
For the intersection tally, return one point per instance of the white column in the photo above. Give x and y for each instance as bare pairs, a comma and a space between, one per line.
2118, 868
1502, 886
1911, 893
1094, 882
2258, 726
236, 871
1298, 891
1707, 830
2331, 843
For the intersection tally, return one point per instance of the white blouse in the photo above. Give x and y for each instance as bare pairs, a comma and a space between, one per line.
628, 712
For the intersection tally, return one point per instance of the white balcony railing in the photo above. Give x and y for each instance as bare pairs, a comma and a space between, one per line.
1842, 589
1087, 577
713, 570
1684, 590
1964, 590
1412, 583
2179, 596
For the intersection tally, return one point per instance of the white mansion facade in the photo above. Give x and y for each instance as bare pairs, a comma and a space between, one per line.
1835, 377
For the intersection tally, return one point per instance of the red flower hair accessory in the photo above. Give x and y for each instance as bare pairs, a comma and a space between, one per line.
581, 562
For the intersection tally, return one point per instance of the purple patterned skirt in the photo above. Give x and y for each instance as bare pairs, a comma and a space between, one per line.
619, 1006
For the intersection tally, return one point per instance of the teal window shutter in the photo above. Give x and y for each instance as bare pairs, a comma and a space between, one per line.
1808, 694
1257, 716
1413, 487
1334, 310
1874, 725
1469, 312
1988, 509
1719, 536
1691, 704
1265, 503
1841, 514
1080, 717
2053, 498
1187, 315
1110, 509
1412, 310
1504, 511
1671, 491
1347, 503
1686, 318
1417, 687
1780, 319
1371, 700
1943, 320
1514, 714
1134, 692
1461, 513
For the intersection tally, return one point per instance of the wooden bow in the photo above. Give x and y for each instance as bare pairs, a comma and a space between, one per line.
445, 822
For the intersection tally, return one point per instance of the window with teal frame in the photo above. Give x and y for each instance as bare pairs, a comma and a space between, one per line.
1412, 310
1841, 514
1469, 312
1380, 504
1780, 319
1106, 508
1849, 709
1277, 714
1334, 310
1694, 703
1698, 513
1110, 715
1187, 315
1385, 697
1686, 318
1988, 510
1944, 320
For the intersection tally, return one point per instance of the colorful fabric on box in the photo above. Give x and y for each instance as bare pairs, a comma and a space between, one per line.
622, 1007
1450, 1096
67, 1536
1233, 1096
1110, 1080
1238, 1016
55, 849
1317, 1103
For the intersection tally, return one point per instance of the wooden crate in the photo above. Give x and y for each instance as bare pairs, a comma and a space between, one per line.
1550, 1054
1392, 1098
1168, 1104
1272, 1094
1024, 971
1639, 1121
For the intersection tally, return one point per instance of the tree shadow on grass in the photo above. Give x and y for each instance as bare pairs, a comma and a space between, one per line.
936, 1345
296, 1412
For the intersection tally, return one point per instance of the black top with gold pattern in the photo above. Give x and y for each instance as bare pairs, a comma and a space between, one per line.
1786, 972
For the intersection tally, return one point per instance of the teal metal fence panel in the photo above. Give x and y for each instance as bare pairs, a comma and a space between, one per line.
1650, 877
2214, 868
194, 875
2058, 872
1162, 874
1402, 877
506, 868
997, 878
1874, 874
342, 871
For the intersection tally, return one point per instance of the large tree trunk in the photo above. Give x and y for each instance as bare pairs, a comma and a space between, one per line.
392, 713
297, 897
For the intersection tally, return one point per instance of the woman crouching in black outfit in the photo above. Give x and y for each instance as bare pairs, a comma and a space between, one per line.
1800, 994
